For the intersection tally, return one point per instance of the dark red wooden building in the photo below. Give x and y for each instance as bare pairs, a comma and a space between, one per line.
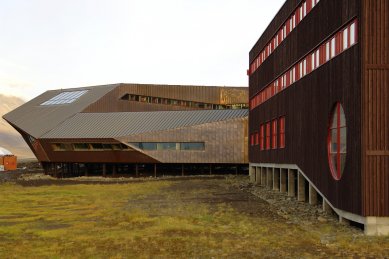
319, 107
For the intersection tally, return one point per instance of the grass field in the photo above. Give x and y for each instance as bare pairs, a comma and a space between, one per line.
200, 218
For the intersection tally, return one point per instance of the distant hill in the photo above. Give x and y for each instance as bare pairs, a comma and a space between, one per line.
9, 138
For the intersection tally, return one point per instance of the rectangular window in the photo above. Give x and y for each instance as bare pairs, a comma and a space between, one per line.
268, 135
256, 138
81, 146
345, 39
327, 51
333, 47
192, 146
274, 134
301, 69
352, 34
313, 61
262, 137
304, 67
281, 123
305, 9
317, 58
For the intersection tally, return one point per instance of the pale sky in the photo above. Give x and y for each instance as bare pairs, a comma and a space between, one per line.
50, 44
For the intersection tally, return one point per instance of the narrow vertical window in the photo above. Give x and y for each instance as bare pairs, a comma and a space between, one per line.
301, 13
281, 124
305, 67
352, 34
345, 39
274, 134
333, 47
268, 135
252, 140
327, 51
301, 69
256, 138
313, 62
337, 142
305, 9
317, 58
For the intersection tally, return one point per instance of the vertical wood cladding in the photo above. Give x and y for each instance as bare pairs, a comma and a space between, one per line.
214, 95
225, 143
375, 106
308, 103
324, 19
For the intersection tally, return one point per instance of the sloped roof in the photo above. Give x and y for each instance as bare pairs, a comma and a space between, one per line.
113, 125
37, 119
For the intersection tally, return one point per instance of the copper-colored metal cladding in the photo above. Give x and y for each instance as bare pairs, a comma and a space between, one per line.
106, 116
358, 78
375, 107
112, 102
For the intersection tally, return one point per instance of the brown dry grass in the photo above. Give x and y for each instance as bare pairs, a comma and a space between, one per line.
181, 219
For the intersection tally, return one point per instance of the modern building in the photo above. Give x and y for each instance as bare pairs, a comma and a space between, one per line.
127, 129
319, 113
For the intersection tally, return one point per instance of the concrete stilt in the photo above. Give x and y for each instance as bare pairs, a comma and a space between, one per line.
258, 175
326, 206
251, 174
283, 178
276, 179
263, 176
269, 177
155, 170
291, 180
182, 170
300, 187
312, 195
136, 170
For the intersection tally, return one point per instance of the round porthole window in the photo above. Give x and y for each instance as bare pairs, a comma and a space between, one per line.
337, 141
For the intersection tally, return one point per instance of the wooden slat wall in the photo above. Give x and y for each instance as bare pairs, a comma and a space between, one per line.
308, 103
375, 107
225, 143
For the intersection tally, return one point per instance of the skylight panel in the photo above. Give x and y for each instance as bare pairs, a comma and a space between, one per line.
65, 98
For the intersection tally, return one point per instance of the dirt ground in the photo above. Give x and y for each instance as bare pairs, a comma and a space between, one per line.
190, 217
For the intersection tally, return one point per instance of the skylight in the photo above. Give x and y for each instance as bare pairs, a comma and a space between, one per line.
65, 98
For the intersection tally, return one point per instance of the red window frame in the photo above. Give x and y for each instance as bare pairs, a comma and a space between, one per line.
274, 134
256, 138
268, 136
252, 140
281, 124
336, 170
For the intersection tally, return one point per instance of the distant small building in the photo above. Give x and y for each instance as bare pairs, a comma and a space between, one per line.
8, 162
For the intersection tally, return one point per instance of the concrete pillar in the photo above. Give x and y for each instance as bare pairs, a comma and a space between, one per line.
276, 179
104, 170
182, 170
300, 187
326, 206
263, 176
136, 170
258, 175
283, 178
269, 177
312, 195
291, 180
86, 170
251, 174
155, 170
